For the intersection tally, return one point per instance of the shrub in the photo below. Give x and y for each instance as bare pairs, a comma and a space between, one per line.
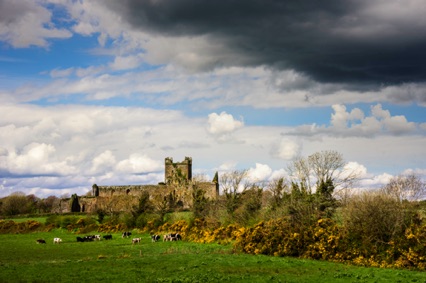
9, 226
373, 220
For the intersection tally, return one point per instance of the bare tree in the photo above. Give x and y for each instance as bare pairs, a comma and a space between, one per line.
406, 187
300, 170
319, 168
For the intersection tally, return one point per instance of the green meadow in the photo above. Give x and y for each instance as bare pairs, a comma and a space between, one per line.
117, 260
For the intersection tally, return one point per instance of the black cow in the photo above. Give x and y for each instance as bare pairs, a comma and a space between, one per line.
108, 237
126, 234
155, 238
80, 239
89, 238
40, 241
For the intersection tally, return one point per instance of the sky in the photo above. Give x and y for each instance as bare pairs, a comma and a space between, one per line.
102, 91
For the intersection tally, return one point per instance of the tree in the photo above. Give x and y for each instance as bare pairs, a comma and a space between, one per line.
16, 203
250, 204
321, 168
233, 184
406, 187
49, 203
161, 206
33, 203
144, 205
279, 189
301, 207
325, 200
199, 202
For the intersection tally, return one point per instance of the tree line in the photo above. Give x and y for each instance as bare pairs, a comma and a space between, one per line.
314, 187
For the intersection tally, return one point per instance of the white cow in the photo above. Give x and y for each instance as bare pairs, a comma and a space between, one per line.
57, 240
136, 240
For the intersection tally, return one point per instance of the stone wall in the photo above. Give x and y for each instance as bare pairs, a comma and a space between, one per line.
177, 188
124, 198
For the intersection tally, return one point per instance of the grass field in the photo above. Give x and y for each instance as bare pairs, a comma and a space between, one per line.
23, 219
117, 260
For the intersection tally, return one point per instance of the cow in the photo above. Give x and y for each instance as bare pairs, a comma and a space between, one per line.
40, 241
136, 240
107, 237
57, 240
166, 237
80, 239
98, 237
126, 234
155, 238
175, 237
89, 238
172, 237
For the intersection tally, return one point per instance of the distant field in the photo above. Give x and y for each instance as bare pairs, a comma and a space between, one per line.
22, 260
22, 219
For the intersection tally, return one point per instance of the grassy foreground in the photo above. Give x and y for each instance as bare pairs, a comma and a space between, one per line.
22, 260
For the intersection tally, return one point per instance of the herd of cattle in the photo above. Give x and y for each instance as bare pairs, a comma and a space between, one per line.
91, 238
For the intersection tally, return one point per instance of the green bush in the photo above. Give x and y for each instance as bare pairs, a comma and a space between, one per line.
70, 222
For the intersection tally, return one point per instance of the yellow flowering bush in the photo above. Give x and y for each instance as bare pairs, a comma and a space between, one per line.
322, 239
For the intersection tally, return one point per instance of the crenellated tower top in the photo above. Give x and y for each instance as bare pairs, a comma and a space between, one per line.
177, 172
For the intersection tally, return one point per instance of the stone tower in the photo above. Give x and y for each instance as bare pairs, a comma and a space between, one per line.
177, 172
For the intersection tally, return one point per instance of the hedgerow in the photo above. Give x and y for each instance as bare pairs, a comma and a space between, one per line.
10, 226
323, 240
327, 241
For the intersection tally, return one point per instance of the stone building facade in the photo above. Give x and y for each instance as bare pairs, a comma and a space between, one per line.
177, 189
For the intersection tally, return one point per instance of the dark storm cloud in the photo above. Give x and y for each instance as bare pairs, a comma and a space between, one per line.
330, 41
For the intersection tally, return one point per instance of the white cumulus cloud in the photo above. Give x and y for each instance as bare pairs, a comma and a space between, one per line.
223, 124
356, 123
260, 173
138, 164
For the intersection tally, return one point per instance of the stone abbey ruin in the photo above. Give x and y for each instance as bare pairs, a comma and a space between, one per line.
176, 189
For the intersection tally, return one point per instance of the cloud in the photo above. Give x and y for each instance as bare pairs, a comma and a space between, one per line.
377, 181
58, 73
139, 164
355, 123
286, 149
260, 173
125, 63
292, 72
353, 168
102, 163
222, 125
26, 23
332, 42
65, 148
35, 159
227, 166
